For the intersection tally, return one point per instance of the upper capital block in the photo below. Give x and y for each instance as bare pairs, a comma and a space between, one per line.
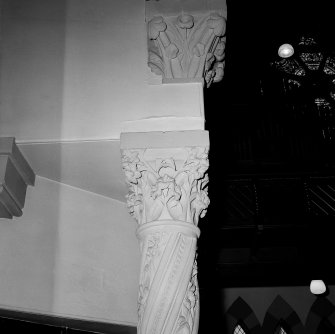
186, 40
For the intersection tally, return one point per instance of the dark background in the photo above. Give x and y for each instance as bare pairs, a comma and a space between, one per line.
263, 227
266, 157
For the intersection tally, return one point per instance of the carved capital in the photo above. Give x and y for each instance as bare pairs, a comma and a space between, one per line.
187, 46
167, 183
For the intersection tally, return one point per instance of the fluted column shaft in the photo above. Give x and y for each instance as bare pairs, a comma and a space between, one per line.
167, 195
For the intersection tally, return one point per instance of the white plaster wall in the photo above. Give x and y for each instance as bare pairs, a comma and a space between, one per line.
98, 259
32, 49
72, 253
28, 247
76, 69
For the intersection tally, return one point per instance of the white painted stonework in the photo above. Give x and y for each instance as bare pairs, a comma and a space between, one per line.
167, 194
187, 45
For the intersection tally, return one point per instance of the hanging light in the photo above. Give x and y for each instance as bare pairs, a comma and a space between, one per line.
317, 287
285, 50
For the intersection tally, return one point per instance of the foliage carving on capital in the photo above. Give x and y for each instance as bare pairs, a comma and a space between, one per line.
167, 187
187, 46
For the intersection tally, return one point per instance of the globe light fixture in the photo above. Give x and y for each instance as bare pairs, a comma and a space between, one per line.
317, 287
285, 51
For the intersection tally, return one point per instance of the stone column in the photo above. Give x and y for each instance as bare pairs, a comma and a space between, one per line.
167, 179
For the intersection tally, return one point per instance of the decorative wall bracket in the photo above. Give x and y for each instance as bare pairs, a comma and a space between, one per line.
187, 46
15, 176
166, 175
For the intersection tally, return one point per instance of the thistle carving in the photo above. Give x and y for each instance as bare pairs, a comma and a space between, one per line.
168, 187
187, 46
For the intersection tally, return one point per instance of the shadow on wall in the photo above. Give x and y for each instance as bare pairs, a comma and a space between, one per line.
281, 318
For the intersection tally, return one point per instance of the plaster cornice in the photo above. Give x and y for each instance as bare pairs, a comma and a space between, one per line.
15, 175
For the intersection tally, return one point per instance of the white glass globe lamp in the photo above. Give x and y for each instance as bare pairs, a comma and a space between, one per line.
317, 287
285, 51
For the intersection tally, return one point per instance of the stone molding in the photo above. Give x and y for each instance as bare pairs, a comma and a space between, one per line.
167, 195
15, 176
187, 46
